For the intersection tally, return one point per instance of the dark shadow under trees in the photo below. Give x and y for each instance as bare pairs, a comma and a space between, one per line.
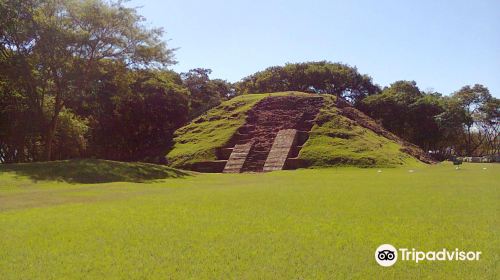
93, 171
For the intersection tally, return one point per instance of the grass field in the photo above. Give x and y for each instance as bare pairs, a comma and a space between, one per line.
304, 224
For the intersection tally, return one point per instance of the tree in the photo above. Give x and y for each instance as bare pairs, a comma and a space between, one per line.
50, 49
407, 112
490, 124
20, 138
321, 77
71, 139
136, 114
205, 93
19, 127
476, 111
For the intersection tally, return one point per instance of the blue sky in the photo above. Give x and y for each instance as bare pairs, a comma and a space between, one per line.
442, 45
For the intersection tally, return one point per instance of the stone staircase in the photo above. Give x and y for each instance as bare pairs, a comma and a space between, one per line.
283, 144
272, 136
237, 158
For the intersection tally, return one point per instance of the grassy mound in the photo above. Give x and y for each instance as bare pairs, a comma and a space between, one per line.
92, 171
337, 140
197, 141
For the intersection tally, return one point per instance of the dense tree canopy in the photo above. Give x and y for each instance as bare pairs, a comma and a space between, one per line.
464, 121
51, 54
204, 92
325, 77
137, 121
408, 112
472, 117
49, 50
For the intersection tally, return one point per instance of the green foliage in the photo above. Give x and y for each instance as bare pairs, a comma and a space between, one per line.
91, 171
71, 136
205, 93
465, 122
336, 140
472, 119
319, 77
19, 127
53, 49
198, 140
407, 112
304, 224
137, 121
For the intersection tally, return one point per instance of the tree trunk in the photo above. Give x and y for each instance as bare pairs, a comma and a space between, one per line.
468, 142
51, 129
49, 138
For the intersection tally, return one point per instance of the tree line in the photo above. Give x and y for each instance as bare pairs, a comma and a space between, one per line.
89, 78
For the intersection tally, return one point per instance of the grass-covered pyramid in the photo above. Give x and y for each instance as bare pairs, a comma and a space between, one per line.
332, 135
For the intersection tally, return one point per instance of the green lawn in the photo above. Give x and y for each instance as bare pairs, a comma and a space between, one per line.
304, 224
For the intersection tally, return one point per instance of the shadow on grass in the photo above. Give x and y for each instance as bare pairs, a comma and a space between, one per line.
93, 171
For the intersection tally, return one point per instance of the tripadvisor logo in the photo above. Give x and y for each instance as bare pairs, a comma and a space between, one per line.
387, 255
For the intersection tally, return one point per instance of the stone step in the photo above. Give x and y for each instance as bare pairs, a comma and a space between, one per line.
246, 129
255, 166
214, 166
294, 163
223, 153
242, 142
285, 140
237, 158
295, 151
305, 127
302, 137
239, 135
